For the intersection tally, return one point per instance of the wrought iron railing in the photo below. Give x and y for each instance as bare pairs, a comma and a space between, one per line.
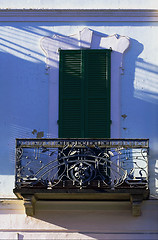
81, 163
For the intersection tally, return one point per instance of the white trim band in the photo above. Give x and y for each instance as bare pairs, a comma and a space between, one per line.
59, 15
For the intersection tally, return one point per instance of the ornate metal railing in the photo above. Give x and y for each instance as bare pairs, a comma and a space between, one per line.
81, 163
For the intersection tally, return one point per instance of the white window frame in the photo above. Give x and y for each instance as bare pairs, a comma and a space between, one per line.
84, 39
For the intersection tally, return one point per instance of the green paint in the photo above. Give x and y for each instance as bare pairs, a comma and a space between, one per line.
84, 93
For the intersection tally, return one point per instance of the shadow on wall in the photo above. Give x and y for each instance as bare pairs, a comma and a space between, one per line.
24, 88
139, 95
139, 104
23, 105
94, 220
146, 90
146, 83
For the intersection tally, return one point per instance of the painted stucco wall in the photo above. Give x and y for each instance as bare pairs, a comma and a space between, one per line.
79, 220
23, 92
79, 4
25, 85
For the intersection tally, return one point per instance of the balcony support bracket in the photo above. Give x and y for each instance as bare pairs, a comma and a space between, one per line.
135, 198
29, 204
136, 201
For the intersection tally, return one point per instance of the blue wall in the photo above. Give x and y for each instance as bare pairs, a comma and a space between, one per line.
25, 82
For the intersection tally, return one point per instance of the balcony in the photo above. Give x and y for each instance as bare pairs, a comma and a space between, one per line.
82, 169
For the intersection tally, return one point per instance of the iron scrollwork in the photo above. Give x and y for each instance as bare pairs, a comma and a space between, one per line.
81, 163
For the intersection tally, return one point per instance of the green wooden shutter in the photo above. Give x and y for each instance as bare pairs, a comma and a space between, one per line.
97, 96
70, 91
84, 93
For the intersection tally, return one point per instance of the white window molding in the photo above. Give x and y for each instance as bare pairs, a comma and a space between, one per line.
91, 40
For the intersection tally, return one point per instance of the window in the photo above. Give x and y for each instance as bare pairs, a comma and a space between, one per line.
84, 93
